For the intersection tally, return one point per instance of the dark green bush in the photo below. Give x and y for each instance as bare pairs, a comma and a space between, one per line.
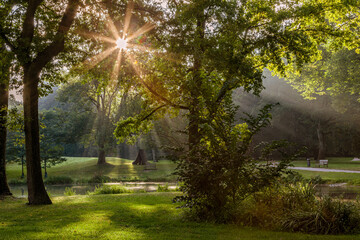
317, 180
220, 172
17, 181
164, 188
327, 217
100, 179
59, 180
111, 189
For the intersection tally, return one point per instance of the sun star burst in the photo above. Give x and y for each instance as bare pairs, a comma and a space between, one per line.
121, 43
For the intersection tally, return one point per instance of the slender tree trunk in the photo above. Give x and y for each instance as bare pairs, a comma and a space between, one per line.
194, 108
320, 134
36, 189
101, 137
4, 97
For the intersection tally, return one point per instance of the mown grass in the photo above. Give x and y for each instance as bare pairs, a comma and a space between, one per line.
333, 177
126, 216
80, 168
334, 163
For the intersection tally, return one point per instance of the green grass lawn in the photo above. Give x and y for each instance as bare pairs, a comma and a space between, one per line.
126, 216
333, 177
85, 168
334, 163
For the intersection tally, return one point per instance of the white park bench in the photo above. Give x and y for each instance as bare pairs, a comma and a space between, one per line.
323, 162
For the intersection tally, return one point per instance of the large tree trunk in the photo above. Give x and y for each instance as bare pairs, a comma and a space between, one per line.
36, 189
4, 97
321, 139
101, 156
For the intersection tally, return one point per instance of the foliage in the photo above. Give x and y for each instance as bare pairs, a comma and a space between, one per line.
327, 217
59, 180
163, 188
294, 207
336, 74
69, 192
220, 171
100, 179
111, 189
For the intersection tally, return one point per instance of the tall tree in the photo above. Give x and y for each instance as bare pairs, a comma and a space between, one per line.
209, 48
4, 98
35, 46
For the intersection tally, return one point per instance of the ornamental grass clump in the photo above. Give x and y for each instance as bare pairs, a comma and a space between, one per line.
328, 216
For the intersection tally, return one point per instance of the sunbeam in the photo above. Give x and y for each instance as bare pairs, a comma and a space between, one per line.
153, 51
116, 69
144, 29
90, 63
128, 13
112, 27
95, 36
119, 43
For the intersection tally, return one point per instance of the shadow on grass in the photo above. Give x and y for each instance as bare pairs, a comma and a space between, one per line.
126, 216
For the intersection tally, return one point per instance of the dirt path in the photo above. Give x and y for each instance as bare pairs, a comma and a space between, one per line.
323, 169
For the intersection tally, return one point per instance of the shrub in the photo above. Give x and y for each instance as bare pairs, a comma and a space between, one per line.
328, 217
17, 181
267, 207
59, 180
69, 191
164, 188
219, 172
111, 189
317, 180
295, 208
100, 179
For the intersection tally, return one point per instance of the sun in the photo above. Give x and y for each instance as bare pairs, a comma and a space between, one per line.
121, 43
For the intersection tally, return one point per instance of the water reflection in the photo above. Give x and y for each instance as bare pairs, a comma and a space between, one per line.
58, 190
332, 190
340, 190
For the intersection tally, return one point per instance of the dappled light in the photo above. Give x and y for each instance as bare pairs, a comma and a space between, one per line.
180, 119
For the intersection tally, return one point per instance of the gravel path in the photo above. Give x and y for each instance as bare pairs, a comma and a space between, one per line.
323, 169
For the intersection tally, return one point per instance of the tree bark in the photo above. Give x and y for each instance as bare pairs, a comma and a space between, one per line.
194, 109
4, 97
101, 128
321, 139
36, 189
101, 156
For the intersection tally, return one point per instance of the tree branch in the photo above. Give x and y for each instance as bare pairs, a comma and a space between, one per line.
7, 40
57, 45
153, 111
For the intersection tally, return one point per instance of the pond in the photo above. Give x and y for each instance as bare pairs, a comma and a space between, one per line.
333, 190
338, 190
58, 190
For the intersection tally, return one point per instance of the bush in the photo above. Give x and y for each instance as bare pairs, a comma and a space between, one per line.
295, 208
17, 181
69, 191
59, 180
317, 180
164, 188
100, 179
112, 189
220, 172
268, 207
328, 217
